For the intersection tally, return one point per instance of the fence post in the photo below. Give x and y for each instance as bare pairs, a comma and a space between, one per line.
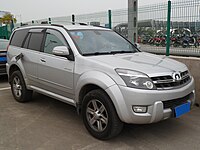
12, 25
133, 20
6, 30
110, 19
73, 19
168, 28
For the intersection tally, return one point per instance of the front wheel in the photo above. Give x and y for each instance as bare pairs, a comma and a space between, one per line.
18, 87
99, 115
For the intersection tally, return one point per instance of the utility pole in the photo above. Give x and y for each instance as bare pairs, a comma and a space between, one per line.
133, 20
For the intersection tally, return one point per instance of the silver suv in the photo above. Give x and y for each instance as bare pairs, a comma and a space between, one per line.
103, 75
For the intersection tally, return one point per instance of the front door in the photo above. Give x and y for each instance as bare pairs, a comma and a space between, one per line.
55, 73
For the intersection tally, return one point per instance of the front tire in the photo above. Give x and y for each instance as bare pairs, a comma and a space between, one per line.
99, 115
18, 87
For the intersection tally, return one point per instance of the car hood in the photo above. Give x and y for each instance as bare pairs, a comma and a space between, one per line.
143, 62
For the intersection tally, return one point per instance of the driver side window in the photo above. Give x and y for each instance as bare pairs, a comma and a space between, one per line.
53, 39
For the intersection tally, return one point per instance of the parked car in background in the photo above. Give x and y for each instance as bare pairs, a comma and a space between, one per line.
3, 59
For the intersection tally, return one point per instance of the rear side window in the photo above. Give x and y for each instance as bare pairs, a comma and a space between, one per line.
35, 41
18, 37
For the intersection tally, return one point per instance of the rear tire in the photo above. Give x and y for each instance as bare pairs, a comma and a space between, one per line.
18, 87
99, 115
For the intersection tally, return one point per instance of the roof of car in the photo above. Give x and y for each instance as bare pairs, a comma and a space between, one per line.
74, 27
68, 27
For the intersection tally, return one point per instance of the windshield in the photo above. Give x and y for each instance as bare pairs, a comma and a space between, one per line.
97, 42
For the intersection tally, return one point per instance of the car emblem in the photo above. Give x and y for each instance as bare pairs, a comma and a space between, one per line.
177, 76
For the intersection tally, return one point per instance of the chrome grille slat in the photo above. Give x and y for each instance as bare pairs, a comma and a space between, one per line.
167, 82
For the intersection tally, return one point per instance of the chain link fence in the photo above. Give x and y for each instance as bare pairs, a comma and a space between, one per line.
152, 25
185, 28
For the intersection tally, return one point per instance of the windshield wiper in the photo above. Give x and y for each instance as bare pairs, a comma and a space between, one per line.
121, 52
107, 53
96, 53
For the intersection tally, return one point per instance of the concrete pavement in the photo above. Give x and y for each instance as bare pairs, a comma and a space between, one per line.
47, 124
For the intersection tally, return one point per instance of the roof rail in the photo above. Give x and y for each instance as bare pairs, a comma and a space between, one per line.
83, 24
100, 26
79, 23
58, 25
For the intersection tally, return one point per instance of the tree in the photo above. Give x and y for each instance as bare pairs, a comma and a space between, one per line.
7, 19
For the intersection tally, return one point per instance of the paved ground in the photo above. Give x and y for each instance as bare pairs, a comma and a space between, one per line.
47, 124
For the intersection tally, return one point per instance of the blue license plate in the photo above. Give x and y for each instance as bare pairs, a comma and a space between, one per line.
182, 109
3, 59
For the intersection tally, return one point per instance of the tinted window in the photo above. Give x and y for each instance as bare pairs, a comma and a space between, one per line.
35, 41
18, 37
27, 41
53, 39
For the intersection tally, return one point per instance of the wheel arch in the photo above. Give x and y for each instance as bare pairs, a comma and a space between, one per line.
86, 89
98, 80
12, 69
90, 81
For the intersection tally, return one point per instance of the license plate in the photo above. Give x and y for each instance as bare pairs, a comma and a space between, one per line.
2, 59
182, 109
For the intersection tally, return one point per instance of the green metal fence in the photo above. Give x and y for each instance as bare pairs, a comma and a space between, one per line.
5, 32
184, 31
184, 28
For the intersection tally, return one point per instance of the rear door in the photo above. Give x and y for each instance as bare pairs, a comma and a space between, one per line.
55, 73
33, 44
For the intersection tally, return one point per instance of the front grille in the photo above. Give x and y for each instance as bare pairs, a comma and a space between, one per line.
176, 102
167, 82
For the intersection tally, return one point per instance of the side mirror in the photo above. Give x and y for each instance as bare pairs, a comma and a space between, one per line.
61, 51
137, 46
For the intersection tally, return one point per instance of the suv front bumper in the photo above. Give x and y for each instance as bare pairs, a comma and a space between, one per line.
159, 103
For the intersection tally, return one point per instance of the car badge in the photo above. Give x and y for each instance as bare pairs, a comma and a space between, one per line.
177, 76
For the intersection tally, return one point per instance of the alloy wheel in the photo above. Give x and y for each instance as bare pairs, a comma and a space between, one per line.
17, 87
97, 115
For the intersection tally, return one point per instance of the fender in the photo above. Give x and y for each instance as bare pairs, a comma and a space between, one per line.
109, 86
19, 64
93, 77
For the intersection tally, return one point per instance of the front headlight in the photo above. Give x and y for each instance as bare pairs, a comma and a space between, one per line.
136, 79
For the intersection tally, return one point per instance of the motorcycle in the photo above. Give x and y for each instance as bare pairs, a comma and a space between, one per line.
177, 41
189, 41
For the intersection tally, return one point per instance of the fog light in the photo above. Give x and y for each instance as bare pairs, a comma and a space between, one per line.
140, 109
